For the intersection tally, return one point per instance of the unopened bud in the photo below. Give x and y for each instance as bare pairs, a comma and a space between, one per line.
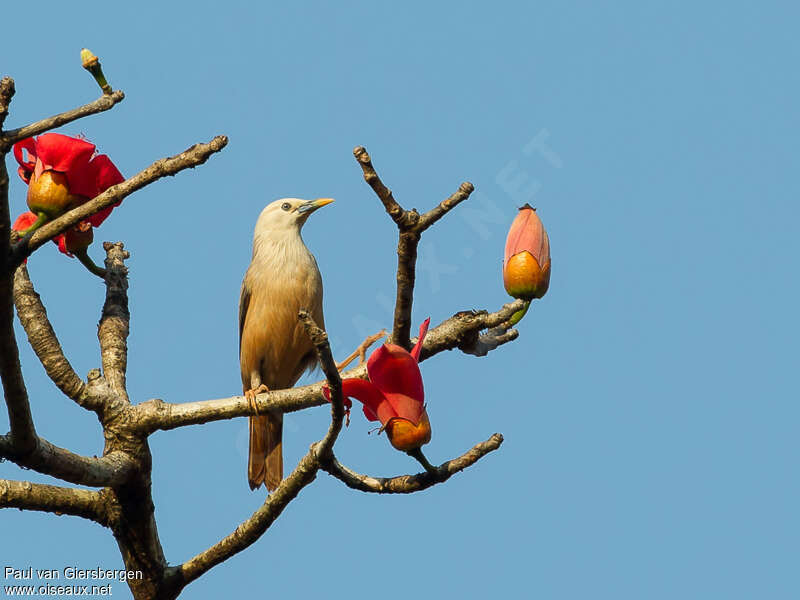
92, 64
526, 265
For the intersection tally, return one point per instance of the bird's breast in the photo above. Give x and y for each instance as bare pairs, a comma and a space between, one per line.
273, 340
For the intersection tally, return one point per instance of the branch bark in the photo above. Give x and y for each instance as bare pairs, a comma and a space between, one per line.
111, 469
6, 93
410, 226
407, 484
115, 323
462, 331
103, 103
43, 340
24, 495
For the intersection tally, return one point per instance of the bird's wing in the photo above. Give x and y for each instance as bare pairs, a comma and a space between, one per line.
244, 304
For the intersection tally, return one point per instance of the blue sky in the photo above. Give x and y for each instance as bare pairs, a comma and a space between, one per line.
651, 446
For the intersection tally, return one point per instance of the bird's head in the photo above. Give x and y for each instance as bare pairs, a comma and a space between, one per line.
287, 214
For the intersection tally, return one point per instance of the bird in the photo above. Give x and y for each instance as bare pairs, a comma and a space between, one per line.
274, 350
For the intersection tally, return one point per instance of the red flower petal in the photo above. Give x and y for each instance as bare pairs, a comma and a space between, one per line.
405, 407
102, 174
63, 153
528, 233
24, 221
345, 400
423, 329
105, 172
61, 242
25, 167
394, 371
376, 408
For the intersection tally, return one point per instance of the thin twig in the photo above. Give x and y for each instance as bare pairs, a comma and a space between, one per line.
103, 103
385, 194
407, 484
446, 205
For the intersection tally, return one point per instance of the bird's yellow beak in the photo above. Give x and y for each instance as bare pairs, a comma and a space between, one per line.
312, 205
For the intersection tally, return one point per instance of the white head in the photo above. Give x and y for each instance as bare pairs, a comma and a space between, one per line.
286, 216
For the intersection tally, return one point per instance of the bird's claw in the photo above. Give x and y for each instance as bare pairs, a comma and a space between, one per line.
251, 397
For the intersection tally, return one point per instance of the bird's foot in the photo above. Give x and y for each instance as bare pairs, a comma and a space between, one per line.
361, 351
251, 396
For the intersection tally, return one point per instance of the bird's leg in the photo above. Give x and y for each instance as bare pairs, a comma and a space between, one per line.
251, 396
361, 351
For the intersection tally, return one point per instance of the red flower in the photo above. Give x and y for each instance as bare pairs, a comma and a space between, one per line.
63, 172
394, 394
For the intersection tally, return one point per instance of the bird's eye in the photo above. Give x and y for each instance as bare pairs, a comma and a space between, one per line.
286, 206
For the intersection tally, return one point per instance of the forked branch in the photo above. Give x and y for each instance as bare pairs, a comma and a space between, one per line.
410, 226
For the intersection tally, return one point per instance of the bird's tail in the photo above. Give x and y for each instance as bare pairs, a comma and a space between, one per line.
265, 462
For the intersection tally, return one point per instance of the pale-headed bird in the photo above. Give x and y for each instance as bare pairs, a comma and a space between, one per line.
274, 350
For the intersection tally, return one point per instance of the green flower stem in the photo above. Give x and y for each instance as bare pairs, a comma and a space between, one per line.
417, 454
97, 72
41, 219
87, 262
517, 316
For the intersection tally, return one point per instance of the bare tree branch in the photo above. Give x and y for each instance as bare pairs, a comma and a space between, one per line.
385, 194
6, 93
113, 469
446, 205
459, 331
410, 226
253, 528
407, 484
334, 381
188, 159
406, 276
103, 103
462, 330
24, 495
43, 340
408, 239
23, 433
114, 324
